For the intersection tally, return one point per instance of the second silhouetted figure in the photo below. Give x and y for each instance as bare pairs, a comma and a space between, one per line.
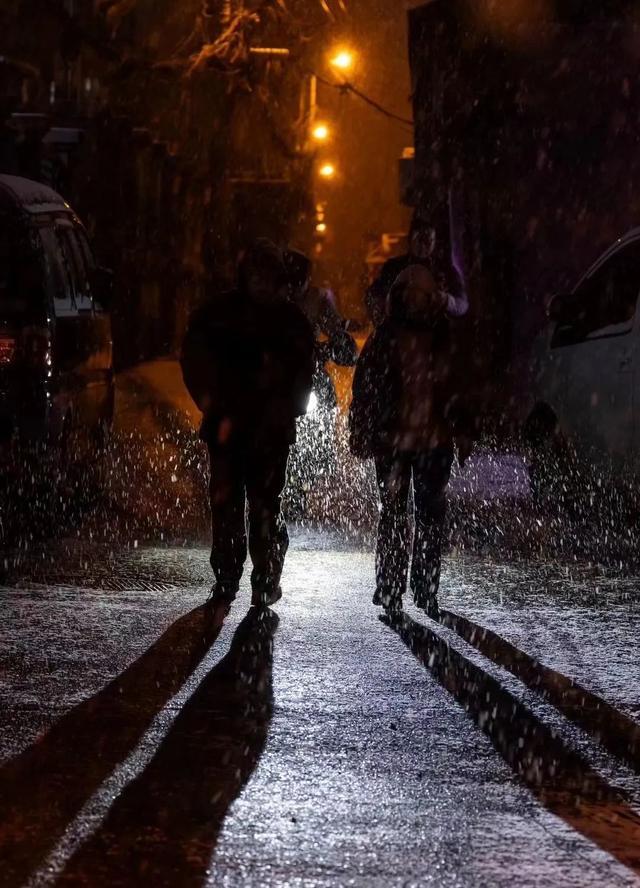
406, 414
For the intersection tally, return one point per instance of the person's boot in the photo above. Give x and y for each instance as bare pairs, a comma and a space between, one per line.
425, 589
392, 606
428, 603
392, 614
390, 602
221, 597
265, 596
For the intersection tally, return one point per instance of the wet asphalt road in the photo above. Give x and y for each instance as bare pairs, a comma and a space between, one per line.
142, 743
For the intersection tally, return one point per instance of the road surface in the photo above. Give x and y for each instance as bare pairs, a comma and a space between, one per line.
142, 743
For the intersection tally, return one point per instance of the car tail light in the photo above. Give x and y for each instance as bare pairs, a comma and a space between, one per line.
8, 348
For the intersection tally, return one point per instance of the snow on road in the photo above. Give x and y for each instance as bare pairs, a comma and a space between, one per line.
319, 751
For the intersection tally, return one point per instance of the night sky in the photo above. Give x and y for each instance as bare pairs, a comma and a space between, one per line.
367, 145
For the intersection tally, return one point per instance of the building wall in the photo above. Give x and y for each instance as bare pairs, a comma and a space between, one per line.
530, 140
176, 168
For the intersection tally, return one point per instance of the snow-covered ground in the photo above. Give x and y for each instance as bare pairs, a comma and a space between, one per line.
138, 745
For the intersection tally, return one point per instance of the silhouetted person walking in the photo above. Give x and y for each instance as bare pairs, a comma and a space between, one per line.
248, 363
406, 415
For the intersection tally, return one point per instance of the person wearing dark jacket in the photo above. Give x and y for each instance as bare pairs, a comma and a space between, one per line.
248, 361
422, 251
407, 415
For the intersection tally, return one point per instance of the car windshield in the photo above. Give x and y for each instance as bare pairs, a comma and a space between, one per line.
604, 303
21, 290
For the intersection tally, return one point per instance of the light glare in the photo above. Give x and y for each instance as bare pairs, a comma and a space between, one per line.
327, 171
312, 403
343, 60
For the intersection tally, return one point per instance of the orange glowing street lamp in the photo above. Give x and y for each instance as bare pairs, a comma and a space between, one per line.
327, 171
343, 60
321, 132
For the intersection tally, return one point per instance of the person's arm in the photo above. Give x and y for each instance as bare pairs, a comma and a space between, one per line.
364, 401
195, 362
200, 361
376, 295
454, 292
301, 363
340, 347
374, 300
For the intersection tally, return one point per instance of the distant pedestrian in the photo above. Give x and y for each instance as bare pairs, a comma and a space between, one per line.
333, 342
423, 250
407, 415
248, 363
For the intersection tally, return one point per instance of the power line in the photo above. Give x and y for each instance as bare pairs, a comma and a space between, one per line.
347, 87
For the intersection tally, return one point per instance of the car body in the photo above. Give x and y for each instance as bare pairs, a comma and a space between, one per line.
588, 388
56, 366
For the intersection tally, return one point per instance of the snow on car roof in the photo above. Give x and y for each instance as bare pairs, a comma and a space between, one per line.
32, 196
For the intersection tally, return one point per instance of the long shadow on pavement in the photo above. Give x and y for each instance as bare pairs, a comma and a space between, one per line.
618, 733
558, 777
43, 789
163, 827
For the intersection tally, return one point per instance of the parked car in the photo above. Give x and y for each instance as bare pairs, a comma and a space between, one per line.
56, 369
588, 405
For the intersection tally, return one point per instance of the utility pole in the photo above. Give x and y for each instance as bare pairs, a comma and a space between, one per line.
313, 98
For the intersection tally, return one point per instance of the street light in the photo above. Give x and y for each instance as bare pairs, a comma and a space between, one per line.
343, 60
321, 227
320, 132
327, 171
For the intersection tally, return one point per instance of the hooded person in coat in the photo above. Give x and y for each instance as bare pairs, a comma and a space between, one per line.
247, 361
406, 414
423, 250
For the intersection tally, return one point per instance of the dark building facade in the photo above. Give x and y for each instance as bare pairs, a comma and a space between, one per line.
527, 129
173, 140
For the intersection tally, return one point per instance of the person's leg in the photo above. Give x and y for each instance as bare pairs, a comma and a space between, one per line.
431, 472
268, 537
229, 538
392, 551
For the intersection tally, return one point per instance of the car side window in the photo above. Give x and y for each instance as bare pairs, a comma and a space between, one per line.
78, 263
604, 304
89, 264
58, 273
87, 253
75, 266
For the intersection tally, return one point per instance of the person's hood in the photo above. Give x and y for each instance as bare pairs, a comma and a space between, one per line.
263, 248
262, 254
298, 268
418, 275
